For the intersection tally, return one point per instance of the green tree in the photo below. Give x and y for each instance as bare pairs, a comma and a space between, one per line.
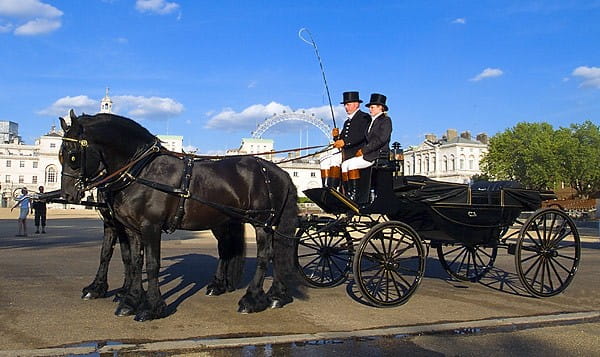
526, 153
579, 152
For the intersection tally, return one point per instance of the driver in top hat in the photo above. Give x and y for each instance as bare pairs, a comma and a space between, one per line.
348, 142
378, 137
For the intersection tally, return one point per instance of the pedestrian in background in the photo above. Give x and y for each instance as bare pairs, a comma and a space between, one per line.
39, 209
24, 201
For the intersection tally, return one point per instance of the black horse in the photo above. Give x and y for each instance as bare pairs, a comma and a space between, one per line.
150, 189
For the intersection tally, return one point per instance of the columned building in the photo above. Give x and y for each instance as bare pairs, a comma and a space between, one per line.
453, 158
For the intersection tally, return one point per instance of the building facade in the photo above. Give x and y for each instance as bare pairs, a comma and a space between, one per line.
453, 158
30, 166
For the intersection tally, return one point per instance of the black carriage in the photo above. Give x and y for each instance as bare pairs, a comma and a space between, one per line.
384, 236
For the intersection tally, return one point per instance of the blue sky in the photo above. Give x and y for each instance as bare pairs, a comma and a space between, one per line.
212, 70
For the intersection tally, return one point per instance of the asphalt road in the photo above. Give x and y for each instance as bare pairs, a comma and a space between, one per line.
41, 277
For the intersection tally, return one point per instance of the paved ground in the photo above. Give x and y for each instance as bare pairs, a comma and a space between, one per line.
41, 277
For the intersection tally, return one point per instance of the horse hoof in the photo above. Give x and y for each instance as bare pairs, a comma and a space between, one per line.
214, 291
143, 316
277, 303
124, 311
244, 310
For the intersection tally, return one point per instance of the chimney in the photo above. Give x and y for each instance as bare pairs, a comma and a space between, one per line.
483, 138
466, 135
451, 134
431, 137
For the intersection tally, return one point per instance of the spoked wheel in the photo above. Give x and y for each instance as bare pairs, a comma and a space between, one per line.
389, 264
467, 262
547, 252
323, 253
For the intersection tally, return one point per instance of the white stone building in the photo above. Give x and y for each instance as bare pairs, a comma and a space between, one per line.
305, 174
453, 158
254, 146
172, 142
30, 166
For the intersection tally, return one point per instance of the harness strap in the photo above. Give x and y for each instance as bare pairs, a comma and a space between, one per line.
184, 187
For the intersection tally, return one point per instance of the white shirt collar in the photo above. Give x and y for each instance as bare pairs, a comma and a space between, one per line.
350, 116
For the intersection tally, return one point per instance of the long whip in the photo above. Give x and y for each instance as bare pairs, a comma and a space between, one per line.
312, 43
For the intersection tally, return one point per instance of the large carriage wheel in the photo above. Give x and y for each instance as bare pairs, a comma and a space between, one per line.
389, 264
467, 262
547, 252
323, 253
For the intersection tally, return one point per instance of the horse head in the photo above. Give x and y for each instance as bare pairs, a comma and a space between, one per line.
81, 161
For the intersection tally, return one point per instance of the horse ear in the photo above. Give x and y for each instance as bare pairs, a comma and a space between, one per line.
74, 121
63, 124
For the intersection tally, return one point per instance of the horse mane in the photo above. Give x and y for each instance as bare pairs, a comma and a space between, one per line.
116, 127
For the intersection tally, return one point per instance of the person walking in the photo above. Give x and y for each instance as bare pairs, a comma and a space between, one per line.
378, 139
347, 143
39, 209
24, 201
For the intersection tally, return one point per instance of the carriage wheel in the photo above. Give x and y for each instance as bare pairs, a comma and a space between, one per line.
323, 253
389, 264
547, 252
467, 263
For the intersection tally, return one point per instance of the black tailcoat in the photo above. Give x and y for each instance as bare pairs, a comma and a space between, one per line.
378, 138
354, 133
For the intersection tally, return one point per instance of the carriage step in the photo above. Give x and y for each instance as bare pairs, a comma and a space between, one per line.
512, 248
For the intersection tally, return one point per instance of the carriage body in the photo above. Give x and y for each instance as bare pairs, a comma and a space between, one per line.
466, 224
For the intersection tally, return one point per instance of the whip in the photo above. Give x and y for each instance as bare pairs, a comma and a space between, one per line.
312, 43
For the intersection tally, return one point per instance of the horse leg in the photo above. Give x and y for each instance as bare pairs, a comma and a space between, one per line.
154, 305
126, 258
232, 249
284, 270
255, 299
134, 296
99, 286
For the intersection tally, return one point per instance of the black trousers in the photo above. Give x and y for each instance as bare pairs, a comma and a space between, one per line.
40, 215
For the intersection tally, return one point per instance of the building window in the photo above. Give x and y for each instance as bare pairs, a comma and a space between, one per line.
313, 174
7, 178
462, 163
295, 174
21, 163
35, 164
51, 175
444, 164
452, 163
21, 179
52, 145
34, 179
7, 163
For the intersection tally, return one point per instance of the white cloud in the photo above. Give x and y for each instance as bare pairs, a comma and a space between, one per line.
589, 75
80, 103
32, 17
460, 21
135, 107
153, 108
37, 27
6, 28
28, 8
487, 73
160, 7
249, 118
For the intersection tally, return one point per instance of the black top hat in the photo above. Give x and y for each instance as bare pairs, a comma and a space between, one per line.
377, 98
349, 97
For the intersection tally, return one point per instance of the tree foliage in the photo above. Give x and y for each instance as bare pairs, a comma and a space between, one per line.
540, 157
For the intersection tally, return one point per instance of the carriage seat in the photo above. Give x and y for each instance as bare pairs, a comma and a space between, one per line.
375, 180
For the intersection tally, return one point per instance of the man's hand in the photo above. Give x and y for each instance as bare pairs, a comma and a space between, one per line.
359, 153
335, 132
339, 144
